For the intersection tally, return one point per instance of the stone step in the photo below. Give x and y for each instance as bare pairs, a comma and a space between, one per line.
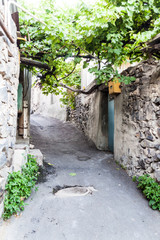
20, 156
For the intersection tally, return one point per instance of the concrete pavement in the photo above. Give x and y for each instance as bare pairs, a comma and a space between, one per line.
116, 211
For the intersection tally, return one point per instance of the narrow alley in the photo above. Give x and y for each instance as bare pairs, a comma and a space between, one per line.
116, 211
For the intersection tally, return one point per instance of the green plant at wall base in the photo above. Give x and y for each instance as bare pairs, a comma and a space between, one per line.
19, 187
151, 189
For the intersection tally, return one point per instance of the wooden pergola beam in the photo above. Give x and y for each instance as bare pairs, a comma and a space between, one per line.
34, 63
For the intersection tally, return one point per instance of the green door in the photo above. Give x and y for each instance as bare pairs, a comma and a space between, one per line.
111, 124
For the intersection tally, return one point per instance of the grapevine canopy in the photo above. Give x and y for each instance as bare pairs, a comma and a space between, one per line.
106, 33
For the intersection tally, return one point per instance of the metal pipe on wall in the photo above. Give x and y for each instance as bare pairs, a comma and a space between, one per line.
6, 31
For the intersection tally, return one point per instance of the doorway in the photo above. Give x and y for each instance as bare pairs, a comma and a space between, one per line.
111, 123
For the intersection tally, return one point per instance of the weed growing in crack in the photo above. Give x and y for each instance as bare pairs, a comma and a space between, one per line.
19, 187
121, 165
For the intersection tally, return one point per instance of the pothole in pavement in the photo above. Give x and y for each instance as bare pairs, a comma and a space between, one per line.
73, 191
83, 158
44, 171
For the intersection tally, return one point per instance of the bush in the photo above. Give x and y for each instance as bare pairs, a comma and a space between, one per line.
151, 189
19, 187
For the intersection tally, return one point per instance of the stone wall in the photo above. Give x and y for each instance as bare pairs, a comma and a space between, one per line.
9, 74
137, 121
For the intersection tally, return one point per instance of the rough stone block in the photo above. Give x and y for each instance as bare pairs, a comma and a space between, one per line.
11, 68
158, 113
142, 164
4, 132
7, 77
1, 208
2, 119
2, 82
157, 146
19, 159
2, 183
12, 132
3, 160
150, 115
3, 68
3, 143
158, 156
11, 142
158, 132
5, 171
149, 170
11, 121
124, 160
10, 54
13, 112
146, 68
1, 192
38, 155
155, 166
2, 44
157, 175
5, 55
151, 152
146, 144
4, 109
149, 136
9, 157
157, 101
3, 95
22, 146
